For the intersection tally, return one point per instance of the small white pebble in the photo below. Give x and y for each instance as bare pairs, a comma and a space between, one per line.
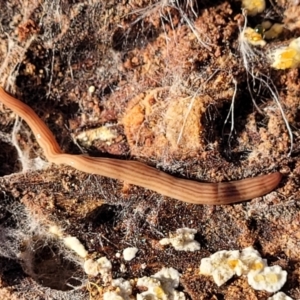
162, 285
129, 253
94, 267
254, 7
182, 240
221, 265
91, 267
270, 279
91, 89
123, 268
280, 296
112, 296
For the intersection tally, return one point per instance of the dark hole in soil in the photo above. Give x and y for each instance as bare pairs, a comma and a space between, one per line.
8, 160
46, 264
103, 214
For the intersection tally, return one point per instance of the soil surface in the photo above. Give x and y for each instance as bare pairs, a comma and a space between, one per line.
167, 83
